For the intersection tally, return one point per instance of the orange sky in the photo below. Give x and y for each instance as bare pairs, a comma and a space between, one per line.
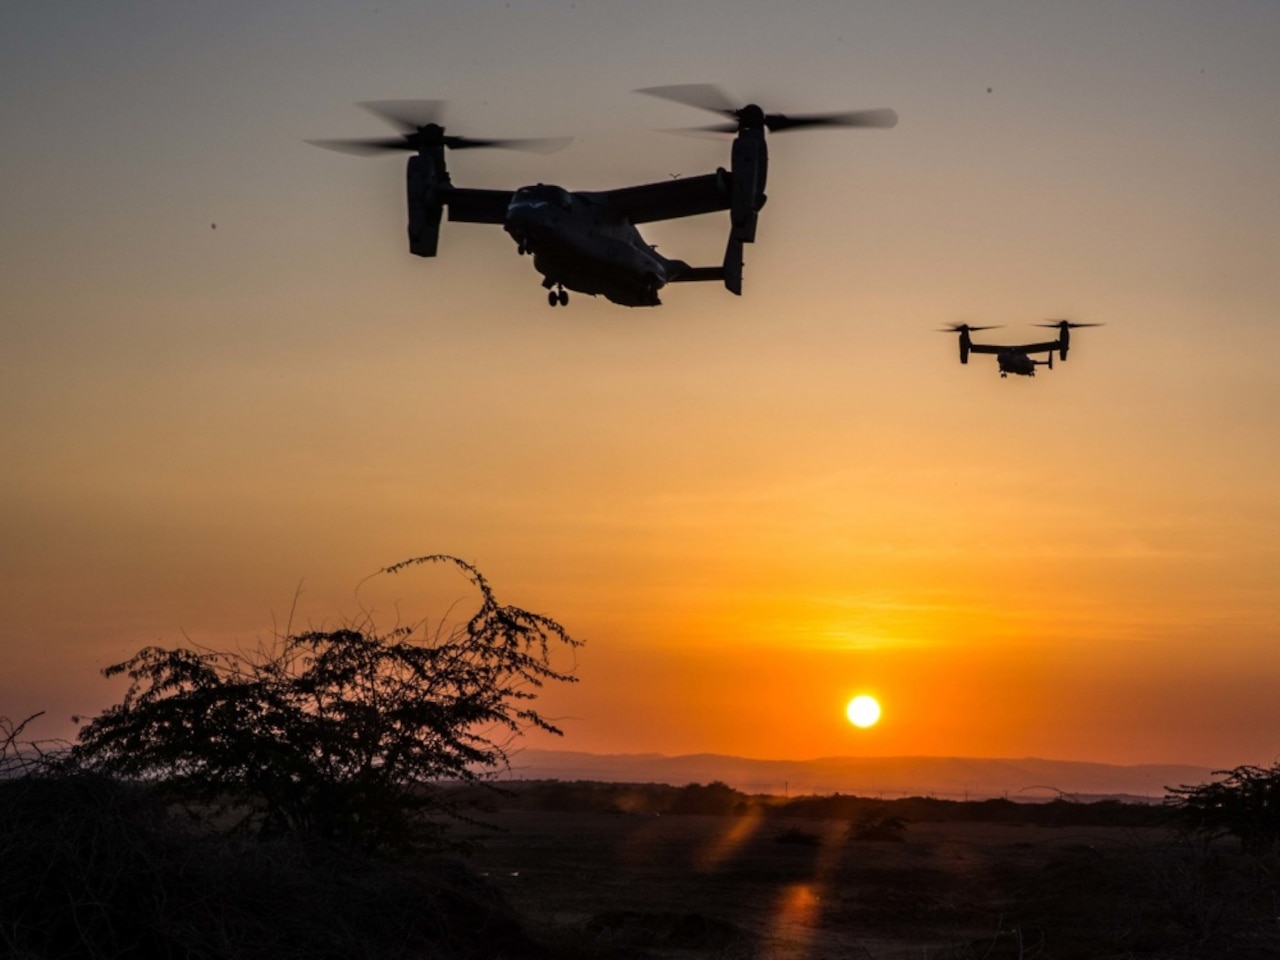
751, 509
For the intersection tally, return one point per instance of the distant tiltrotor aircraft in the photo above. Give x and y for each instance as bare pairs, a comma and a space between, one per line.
1017, 358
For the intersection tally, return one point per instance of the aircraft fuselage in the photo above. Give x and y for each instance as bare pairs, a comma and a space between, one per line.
576, 244
1016, 363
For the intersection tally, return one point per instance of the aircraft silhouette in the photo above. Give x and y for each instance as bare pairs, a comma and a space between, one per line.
1017, 358
587, 241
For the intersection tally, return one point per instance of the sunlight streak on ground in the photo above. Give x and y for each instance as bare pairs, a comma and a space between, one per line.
715, 853
797, 913
795, 916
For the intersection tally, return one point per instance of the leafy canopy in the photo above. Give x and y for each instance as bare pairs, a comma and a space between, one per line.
1245, 803
345, 734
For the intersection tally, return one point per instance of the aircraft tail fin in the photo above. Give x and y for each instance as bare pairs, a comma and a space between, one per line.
730, 272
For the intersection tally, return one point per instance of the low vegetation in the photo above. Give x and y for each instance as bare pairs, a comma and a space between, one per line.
717, 798
875, 885
93, 867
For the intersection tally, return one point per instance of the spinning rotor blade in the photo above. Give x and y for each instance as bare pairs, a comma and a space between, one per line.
413, 142
1060, 324
408, 116
705, 96
962, 327
883, 119
529, 145
363, 148
420, 128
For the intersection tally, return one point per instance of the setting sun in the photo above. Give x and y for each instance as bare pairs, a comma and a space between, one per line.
863, 711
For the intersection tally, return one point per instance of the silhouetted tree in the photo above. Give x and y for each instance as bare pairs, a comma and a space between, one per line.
1244, 803
11, 755
20, 756
341, 734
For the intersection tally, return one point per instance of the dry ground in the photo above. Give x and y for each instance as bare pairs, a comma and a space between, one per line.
607, 884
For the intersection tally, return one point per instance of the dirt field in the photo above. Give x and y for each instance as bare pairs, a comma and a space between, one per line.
607, 884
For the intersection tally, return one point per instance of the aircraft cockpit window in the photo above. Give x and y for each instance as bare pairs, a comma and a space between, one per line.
542, 194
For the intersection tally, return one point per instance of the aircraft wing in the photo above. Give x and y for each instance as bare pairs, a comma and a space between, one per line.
469, 205
669, 199
1014, 347
1037, 347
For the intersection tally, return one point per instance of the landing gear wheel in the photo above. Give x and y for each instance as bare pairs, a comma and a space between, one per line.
651, 290
563, 297
552, 299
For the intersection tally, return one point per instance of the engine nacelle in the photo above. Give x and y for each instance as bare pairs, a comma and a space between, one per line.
750, 164
733, 266
964, 350
425, 208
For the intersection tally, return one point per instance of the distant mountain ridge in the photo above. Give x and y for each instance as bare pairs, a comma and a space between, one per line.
890, 777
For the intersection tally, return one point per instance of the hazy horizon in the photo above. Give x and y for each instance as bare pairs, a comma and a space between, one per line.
1026, 778
231, 394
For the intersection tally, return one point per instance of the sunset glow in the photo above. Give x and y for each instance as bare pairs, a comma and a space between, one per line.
232, 395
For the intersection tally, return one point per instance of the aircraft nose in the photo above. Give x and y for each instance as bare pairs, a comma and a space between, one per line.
526, 211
